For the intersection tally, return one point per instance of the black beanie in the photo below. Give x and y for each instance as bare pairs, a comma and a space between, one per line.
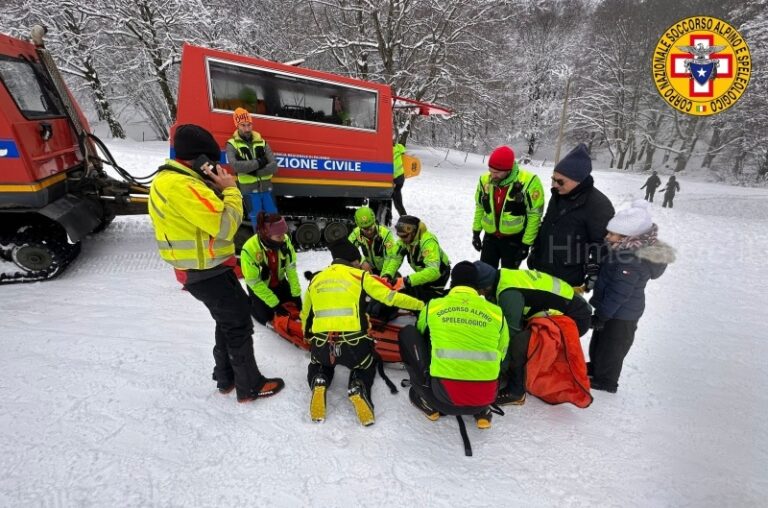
191, 141
343, 249
486, 275
576, 165
464, 274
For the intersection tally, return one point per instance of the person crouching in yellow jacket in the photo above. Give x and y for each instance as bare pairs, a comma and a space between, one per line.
336, 326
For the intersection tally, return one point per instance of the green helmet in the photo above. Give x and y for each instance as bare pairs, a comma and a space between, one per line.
364, 217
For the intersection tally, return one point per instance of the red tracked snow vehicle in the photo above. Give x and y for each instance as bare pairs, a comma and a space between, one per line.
53, 187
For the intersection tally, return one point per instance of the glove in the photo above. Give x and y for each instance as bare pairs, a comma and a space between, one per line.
280, 310
597, 323
476, 242
591, 270
297, 302
406, 282
524, 250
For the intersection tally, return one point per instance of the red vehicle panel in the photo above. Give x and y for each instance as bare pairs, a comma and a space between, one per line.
332, 135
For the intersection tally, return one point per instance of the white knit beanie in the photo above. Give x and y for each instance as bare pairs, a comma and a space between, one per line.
633, 221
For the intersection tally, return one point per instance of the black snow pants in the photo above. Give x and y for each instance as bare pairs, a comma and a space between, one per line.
233, 353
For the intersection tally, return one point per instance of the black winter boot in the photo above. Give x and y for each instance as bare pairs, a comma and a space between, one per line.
249, 382
422, 406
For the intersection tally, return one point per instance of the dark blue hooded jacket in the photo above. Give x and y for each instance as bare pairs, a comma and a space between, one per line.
620, 289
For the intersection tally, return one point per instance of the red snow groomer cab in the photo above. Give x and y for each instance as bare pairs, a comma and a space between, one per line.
53, 190
332, 135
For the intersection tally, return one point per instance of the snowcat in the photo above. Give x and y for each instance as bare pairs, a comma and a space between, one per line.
54, 190
332, 135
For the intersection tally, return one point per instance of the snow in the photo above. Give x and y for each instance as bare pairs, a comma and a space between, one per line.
107, 399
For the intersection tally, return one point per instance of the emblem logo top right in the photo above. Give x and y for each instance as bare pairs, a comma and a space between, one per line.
701, 66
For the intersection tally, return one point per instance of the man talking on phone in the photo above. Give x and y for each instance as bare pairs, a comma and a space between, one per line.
196, 209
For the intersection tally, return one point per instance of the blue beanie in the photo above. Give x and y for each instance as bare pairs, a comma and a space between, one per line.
576, 165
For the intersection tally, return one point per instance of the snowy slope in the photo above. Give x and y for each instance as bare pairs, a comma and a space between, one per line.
107, 400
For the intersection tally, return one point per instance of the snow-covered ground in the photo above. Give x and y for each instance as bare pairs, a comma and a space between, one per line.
107, 399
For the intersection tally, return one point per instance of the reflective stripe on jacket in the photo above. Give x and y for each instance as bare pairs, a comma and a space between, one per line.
468, 336
335, 300
523, 205
541, 291
194, 228
255, 266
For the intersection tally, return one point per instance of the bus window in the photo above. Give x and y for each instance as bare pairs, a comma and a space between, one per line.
266, 92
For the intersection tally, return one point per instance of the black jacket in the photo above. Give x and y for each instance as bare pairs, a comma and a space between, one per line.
573, 225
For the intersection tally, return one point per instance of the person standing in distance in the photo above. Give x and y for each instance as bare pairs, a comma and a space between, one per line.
398, 178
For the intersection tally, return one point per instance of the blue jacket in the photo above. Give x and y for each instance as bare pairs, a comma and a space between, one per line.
620, 288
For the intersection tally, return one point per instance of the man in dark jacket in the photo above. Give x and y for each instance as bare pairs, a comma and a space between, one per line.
669, 191
651, 185
568, 244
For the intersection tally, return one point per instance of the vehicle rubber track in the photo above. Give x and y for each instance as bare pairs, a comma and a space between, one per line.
34, 256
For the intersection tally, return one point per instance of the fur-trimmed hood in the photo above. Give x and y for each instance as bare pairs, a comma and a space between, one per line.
658, 253
658, 256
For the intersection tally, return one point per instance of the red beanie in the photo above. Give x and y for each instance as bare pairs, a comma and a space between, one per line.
502, 159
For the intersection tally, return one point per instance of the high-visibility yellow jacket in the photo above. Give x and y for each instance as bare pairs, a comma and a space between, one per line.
243, 157
522, 210
467, 333
335, 300
194, 227
397, 160
255, 266
377, 250
427, 259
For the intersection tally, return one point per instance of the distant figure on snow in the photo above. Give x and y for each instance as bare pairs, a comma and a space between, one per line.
651, 185
669, 191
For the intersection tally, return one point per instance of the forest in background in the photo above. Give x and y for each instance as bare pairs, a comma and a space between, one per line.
503, 66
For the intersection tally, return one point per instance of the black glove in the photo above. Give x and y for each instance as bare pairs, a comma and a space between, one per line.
280, 310
406, 283
597, 323
476, 242
591, 270
297, 301
524, 249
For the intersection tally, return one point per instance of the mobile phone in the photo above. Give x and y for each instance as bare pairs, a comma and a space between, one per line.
201, 161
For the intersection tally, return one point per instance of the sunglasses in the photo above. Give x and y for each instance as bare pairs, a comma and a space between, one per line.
558, 181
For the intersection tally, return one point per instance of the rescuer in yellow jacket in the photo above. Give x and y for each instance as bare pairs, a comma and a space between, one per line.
398, 177
268, 262
374, 240
336, 326
429, 262
509, 203
453, 355
196, 209
254, 163
524, 294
